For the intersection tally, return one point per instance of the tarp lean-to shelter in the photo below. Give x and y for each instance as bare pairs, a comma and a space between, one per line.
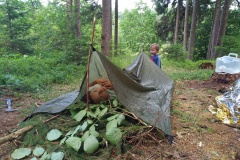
142, 87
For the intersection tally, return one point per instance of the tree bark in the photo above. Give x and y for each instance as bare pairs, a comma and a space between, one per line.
177, 24
223, 23
69, 9
69, 13
185, 38
215, 31
193, 29
106, 27
116, 28
77, 19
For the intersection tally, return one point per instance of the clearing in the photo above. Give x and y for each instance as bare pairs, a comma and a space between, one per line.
197, 133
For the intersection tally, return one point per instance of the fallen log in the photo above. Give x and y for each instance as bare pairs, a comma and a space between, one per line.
16, 134
20, 132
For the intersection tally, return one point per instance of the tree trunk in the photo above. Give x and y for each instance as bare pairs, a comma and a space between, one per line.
209, 46
69, 9
116, 28
215, 31
186, 26
69, 13
106, 27
10, 28
77, 19
33, 9
223, 23
193, 29
176, 26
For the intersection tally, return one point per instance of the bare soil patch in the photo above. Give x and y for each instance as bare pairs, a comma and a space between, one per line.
197, 133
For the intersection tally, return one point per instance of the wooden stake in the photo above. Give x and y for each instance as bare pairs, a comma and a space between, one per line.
89, 58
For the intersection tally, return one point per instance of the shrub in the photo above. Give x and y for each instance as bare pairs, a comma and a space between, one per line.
175, 52
32, 74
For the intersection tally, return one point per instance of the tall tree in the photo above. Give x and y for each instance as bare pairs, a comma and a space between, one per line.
15, 27
116, 28
106, 27
223, 23
177, 23
215, 31
69, 13
77, 18
185, 37
193, 28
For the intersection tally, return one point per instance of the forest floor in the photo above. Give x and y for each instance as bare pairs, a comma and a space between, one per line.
198, 134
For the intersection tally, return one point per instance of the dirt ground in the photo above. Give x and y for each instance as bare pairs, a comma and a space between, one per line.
198, 134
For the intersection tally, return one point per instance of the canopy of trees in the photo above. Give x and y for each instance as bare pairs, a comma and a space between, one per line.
205, 29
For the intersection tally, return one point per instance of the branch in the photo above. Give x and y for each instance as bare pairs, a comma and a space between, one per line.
16, 134
20, 132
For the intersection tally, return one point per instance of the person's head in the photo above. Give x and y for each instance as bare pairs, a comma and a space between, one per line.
154, 48
97, 95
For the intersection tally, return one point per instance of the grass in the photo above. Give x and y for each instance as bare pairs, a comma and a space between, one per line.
187, 70
124, 60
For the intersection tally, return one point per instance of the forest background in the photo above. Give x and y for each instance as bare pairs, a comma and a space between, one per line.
43, 45
44, 50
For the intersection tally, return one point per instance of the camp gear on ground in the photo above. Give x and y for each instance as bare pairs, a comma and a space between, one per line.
228, 64
228, 105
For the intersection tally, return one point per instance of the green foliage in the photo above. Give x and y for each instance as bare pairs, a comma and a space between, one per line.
191, 75
136, 29
124, 60
86, 136
231, 44
15, 27
175, 52
35, 73
233, 24
187, 70
164, 26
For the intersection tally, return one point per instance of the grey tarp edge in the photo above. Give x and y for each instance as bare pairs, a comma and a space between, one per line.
57, 104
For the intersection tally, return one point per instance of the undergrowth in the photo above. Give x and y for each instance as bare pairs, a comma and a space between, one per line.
187, 70
135, 133
35, 74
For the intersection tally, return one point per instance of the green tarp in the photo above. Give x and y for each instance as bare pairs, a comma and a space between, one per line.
143, 88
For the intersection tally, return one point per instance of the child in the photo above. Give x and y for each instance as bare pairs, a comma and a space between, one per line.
154, 49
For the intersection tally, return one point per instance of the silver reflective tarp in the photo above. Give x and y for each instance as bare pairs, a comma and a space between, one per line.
229, 104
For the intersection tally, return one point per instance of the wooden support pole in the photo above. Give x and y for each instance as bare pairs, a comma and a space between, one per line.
89, 58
